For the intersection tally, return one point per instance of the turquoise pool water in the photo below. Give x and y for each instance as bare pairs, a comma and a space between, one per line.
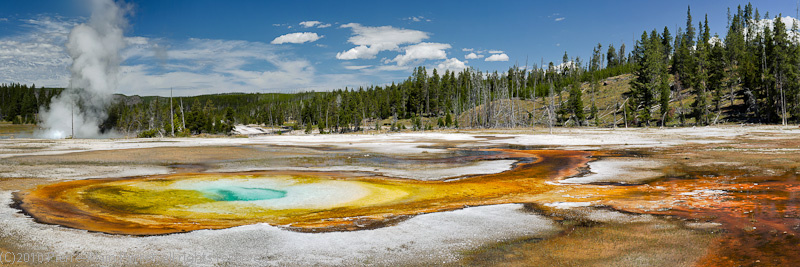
235, 193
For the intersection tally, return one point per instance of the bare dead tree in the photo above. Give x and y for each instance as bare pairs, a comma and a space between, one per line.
550, 108
533, 92
171, 115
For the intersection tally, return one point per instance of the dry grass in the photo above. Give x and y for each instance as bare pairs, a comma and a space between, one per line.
8, 130
608, 97
21, 183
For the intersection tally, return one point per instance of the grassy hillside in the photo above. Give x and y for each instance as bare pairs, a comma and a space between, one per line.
610, 96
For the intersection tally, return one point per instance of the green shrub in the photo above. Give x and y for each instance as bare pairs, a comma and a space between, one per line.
148, 133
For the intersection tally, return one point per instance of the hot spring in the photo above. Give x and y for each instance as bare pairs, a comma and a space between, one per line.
305, 201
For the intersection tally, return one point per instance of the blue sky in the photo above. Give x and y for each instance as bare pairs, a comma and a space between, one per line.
203, 46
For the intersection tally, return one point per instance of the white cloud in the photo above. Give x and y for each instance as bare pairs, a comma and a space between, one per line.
383, 35
201, 66
314, 23
357, 67
495, 51
136, 40
370, 41
473, 56
422, 51
361, 51
418, 19
559, 19
205, 66
297, 38
467, 49
452, 64
394, 68
308, 24
497, 57
3, 19
191, 67
37, 54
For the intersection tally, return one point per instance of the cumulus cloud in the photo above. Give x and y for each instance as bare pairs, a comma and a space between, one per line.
370, 41
495, 51
473, 56
422, 51
452, 64
314, 23
559, 19
497, 57
467, 49
361, 51
297, 38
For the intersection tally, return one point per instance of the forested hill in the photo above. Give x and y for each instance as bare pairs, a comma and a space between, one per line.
689, 77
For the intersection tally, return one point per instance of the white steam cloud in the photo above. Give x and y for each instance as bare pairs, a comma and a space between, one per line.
94, 48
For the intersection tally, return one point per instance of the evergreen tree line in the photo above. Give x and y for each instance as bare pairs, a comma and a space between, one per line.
477, 99
751, 75
20, 103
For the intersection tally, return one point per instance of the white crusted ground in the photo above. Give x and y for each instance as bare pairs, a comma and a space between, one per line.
413, 143
616, 170
72, 172
427, 173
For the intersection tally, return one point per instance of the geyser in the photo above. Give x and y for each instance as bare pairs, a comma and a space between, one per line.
94, 48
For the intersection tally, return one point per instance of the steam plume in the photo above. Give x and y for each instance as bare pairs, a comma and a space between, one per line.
94, 48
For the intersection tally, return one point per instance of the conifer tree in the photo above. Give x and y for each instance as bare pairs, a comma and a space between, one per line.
611, 56
575, 103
